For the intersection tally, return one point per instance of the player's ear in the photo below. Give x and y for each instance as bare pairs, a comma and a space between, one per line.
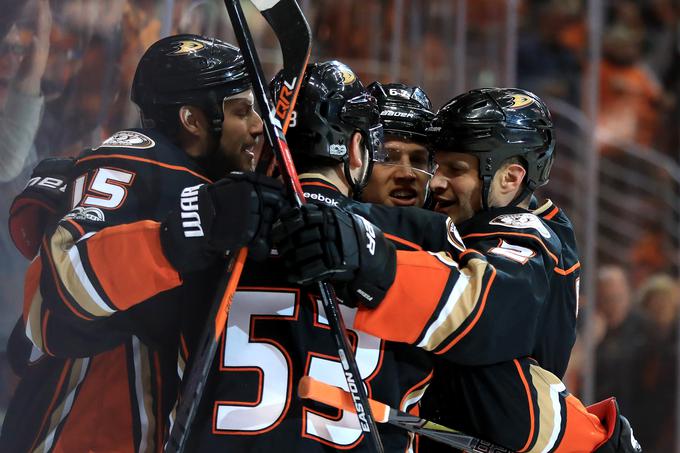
356, 151
192, 120
512, 177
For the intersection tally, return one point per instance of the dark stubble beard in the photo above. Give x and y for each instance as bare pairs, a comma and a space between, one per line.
218, 163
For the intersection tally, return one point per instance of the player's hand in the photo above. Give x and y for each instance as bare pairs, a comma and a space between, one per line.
318, 243
42, 202
621, 438
236, 211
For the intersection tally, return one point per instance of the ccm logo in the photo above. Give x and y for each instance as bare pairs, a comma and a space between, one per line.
191, 221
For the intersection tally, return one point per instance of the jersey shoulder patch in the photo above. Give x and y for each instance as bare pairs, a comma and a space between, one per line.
128, 139
522, 221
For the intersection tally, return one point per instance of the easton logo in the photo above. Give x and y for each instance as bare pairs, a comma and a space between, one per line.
191, 220
354, 390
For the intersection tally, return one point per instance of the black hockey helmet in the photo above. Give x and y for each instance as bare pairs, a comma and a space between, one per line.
495, 124
187, 70
332, 105
405, 111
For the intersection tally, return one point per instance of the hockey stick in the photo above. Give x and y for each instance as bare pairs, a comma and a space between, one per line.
310, 388
275, 135
295, 39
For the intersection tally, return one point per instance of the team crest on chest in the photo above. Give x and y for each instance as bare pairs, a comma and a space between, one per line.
522, 220
128, 139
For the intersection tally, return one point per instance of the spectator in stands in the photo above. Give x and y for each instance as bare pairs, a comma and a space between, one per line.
623, 336
630, 94
653, 409
23, 58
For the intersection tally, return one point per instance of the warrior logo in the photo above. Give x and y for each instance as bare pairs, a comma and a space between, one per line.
191, 219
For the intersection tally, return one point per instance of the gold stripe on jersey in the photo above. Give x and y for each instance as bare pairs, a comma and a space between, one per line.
59, 413
548, 388
34, 321
69, 266
460, 304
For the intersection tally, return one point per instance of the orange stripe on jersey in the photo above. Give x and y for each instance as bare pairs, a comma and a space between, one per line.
401, 316
76, 226
552, 213
127, 285
567, 271
148, 161
101, 416
319, 184
583, 431
394, 238
531, 405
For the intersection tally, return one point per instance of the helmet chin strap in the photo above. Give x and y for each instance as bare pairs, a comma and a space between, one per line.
486, 188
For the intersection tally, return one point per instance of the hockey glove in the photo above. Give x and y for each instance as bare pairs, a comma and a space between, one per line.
42, 202
234, 212
318, 243
620, 435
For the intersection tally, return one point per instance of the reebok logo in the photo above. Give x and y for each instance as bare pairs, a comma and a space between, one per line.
191, 221
370, 235
322, 198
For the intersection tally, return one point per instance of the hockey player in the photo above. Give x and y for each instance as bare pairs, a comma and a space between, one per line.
142, 245
499, 317
403, 178
277, 332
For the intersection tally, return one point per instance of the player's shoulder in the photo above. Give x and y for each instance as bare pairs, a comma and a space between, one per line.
413, 227
512, 225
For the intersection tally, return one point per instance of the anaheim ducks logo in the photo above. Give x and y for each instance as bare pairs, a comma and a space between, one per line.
520, 100
185, 47
348, 76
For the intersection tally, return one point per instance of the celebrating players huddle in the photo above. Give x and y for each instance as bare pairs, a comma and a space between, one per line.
464, 313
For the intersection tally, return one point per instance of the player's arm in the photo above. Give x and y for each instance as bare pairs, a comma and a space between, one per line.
471, 309
94, 267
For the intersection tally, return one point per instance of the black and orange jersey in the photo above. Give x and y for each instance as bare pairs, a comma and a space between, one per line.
501, 323
514, 293
108, 355
277, 332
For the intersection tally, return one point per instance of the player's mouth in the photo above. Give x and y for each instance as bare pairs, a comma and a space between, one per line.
249, 150
404, 197
443, 205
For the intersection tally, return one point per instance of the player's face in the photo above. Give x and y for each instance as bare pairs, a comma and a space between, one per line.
403, 178
456, 186
241, 131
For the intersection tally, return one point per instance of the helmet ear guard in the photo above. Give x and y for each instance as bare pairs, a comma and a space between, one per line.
495, 124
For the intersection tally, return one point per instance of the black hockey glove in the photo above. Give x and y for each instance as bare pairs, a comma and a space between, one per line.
43, 201
318, 243
621, 439
234, 212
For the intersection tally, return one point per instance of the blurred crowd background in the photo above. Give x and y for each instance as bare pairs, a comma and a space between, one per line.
609, 70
